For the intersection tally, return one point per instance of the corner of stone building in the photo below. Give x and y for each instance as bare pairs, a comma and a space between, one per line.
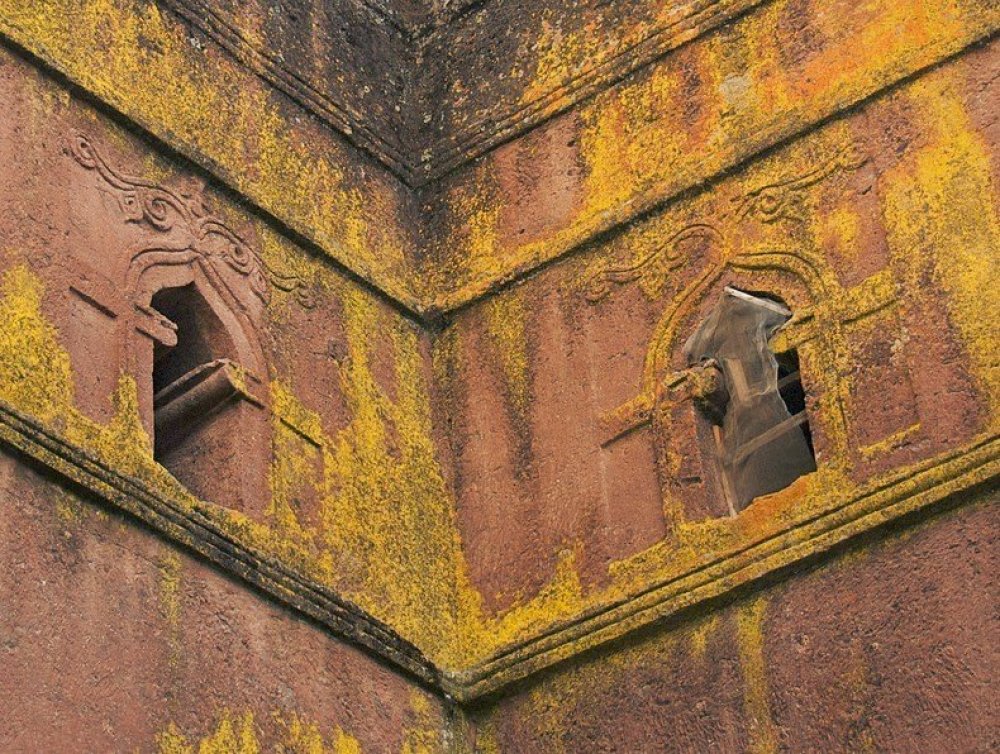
347, 401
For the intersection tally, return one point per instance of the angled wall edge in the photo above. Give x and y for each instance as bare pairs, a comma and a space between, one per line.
879, 503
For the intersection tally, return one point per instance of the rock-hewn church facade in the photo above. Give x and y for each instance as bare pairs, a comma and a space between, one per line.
499, 375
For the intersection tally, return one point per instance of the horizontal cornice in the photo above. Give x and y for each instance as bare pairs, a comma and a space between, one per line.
377, 137
415, 156
889, 499
194, 530
423, 292
512, 117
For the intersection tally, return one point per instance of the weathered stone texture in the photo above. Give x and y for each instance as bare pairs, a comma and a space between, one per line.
344, 397
113, 640
879, 649
890, 359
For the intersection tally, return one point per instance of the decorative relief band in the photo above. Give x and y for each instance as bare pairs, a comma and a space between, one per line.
195, 530
779, 201
766, 204
882, 502
656, 264
418, 163
182, 225
697, 18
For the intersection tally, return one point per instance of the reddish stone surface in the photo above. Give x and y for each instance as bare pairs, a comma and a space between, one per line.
886, 648
109, 634
559, 479
101, 652
94, 256
880, 648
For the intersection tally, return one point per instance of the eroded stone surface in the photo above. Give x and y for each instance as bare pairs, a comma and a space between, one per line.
524, 479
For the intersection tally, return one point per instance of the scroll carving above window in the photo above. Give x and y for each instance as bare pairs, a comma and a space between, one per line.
191, 338
783, 200
182, 225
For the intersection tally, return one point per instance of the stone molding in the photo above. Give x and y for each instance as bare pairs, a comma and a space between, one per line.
181, 226
455, 150
268, 66
446, 296
875, 505
195, 531
420, 162
765, 204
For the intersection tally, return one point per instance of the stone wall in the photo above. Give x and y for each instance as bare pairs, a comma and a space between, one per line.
876, 650
343, 395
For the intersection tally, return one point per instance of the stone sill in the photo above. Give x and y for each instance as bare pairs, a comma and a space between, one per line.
872, 506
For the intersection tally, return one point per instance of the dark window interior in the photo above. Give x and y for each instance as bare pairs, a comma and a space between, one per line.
792, 393
189, 381
755, 400
199, 335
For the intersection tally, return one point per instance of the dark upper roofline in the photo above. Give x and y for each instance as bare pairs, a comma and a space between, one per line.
420, 152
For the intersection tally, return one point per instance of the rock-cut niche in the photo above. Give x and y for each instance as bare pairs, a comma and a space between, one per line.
205, 419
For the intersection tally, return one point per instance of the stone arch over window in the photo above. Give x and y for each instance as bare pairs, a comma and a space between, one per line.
806, 348
200, 376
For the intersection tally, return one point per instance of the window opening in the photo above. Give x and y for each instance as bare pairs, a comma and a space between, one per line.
192, 380
200, 336
793, 393
753, 398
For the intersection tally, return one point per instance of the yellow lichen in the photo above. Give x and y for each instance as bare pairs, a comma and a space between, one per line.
505, 318
942, 198
240, 735
345, 744
700, 633
230, 736
141, 61
36, 378
386, 535
293, 464
69, 509
841, 228
486, 739
424, 734
302, 736
170, 600
750, 619
953, 174
172, 741
390, 503
563, 595
35, 372
563, 57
